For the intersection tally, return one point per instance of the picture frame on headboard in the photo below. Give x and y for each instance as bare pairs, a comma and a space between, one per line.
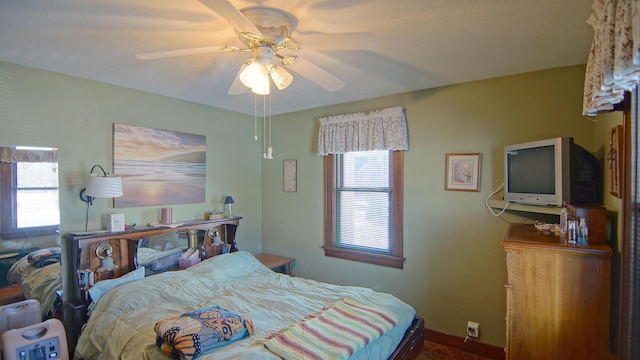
462, 172
616, 160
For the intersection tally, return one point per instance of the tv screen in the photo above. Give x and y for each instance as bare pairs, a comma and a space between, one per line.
532, 170
548, 172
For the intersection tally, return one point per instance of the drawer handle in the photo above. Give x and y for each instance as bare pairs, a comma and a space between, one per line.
507, 286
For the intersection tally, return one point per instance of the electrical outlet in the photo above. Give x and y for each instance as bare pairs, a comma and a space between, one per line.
473, 329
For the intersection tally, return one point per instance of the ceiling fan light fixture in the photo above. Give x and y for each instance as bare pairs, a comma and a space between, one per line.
252, 73
292, 44
288, 60
261, 85
274, 24
281, 77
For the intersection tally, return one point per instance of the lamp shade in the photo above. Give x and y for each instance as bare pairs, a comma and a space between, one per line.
250, 75
229, 200
109, 186
262, 85
281, 77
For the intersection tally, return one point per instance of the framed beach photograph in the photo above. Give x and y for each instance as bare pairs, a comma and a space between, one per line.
462, 172
158, 167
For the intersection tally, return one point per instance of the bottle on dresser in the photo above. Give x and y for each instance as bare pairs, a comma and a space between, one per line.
572, 231
564, 216
583, 232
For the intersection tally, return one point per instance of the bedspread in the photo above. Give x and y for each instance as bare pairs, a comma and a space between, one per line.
39, 283
237, 282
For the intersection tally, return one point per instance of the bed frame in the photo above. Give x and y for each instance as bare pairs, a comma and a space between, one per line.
125, 245
11, 294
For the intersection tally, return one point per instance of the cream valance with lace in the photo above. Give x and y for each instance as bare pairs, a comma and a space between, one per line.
15, 155
614, 60
378, 130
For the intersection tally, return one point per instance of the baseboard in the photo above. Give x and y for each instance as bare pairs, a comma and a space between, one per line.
470, 346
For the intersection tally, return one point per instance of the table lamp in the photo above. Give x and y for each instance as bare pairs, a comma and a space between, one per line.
228, 202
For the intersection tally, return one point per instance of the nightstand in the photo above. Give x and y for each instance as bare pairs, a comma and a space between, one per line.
78, 313
275, 262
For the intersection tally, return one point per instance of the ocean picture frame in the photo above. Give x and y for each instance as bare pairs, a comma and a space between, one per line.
158, 167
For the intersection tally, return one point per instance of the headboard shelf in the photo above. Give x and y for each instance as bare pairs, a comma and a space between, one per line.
124, 245
140, 233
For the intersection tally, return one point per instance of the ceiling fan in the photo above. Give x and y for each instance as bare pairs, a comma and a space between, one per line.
266, 31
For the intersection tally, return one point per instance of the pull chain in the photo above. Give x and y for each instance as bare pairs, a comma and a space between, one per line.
255, 117
270, 148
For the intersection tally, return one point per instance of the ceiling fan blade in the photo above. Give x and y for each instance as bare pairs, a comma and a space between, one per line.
317, 75
237, 87
340, 41
179, 52
232, 15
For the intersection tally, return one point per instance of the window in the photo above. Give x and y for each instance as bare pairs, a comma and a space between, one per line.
363, 206
29, 196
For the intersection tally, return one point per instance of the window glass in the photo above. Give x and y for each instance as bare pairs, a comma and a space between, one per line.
369, 169
37, 194
29, 197
363, 207
364, 200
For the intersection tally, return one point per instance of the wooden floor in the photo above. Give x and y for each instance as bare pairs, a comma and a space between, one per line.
433, 351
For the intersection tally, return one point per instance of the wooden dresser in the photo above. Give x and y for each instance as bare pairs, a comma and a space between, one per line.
558, 296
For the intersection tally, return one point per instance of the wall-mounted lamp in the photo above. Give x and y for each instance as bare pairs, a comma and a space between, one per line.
100, 186
228, 202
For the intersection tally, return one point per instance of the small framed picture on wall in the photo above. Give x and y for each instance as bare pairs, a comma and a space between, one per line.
616, 162
462, 172
290, 175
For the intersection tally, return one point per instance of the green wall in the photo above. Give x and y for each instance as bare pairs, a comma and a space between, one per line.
454, 270
76, 116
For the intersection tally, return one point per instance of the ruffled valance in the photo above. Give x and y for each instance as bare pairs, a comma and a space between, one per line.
378, 130
613, 66
15, 155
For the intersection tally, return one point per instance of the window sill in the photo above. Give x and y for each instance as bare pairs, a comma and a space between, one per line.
371, 258
28, 233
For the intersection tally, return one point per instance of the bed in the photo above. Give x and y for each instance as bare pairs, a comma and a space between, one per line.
129, 306
236, 281
39, 276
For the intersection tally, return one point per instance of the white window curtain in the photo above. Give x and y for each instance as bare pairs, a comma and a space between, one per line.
613, 66
378, 130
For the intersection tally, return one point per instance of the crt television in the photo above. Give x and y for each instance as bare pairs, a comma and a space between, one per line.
550, 172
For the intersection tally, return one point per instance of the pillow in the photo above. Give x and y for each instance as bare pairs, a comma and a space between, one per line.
198, 332
101, 287
43, 257
167, 241
14, 275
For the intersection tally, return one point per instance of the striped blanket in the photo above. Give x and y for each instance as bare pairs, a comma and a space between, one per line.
336, 333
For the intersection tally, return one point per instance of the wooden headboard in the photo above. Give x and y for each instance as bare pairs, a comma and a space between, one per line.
125, 244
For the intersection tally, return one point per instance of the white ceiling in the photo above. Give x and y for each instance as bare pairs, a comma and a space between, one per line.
422, 44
